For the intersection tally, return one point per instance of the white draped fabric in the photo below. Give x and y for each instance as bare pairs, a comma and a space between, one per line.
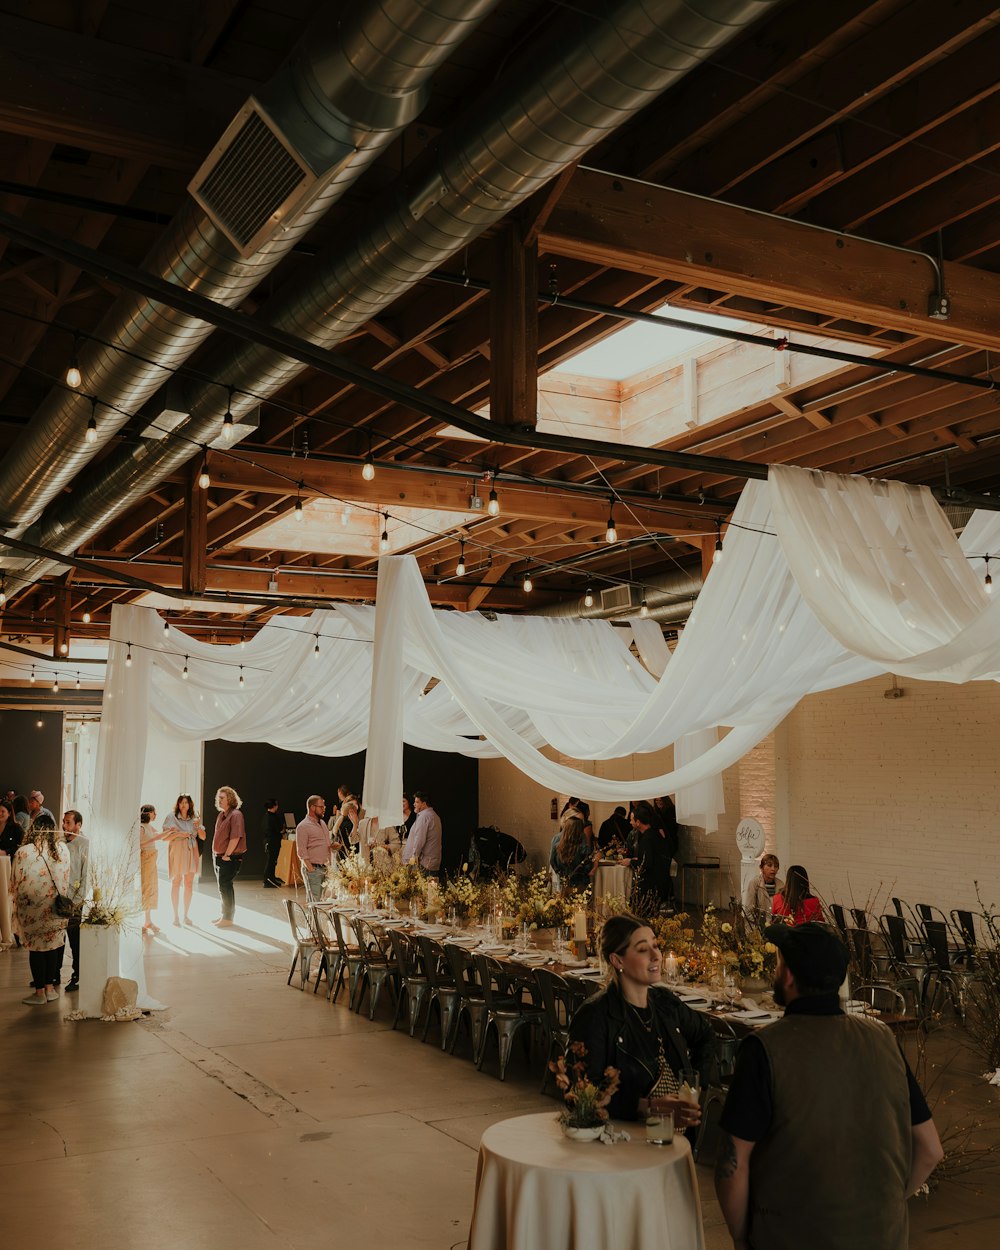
825, 581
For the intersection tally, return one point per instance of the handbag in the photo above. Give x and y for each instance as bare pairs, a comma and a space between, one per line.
63, 906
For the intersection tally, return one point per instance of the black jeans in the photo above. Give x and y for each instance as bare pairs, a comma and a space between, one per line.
226, 872
273, 849
73, 934
45, 967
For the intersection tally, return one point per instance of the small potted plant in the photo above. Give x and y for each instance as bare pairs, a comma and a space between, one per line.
585, 1115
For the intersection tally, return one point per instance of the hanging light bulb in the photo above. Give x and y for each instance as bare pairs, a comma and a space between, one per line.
242, 682
73, 375
3, 589
55, 683
717, 553
243, 639
644, 608
493, 506
64, 648
128, 656
988, 581
86, 618
184, 671
588, 598
227, 420
204, 481
166, 628
78, 681
316, 648
383, 542
32, 678
527, 585
91, 434
298, 505
368, 469
612, 534
460, 566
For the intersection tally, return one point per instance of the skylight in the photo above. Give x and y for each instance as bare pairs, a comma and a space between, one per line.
640, 346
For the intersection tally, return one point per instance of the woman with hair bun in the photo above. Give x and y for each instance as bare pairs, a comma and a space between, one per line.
639, 1027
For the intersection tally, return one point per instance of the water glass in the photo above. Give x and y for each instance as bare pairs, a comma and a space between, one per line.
660, 1128
524, 936
690, 1088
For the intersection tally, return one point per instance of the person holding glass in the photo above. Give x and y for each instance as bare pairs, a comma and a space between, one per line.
182, 831
662, 1049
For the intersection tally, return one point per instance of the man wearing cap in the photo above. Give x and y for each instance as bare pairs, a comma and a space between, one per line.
36, 807
825, 1132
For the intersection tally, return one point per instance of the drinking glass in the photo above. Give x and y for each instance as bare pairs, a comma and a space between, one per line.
660, 1128
690, 1087
731, 991
524, 936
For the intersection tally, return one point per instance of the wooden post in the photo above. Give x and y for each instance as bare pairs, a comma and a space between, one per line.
195, 558
514, 329
60, 631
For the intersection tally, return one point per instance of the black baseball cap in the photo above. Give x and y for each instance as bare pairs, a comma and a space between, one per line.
817, 958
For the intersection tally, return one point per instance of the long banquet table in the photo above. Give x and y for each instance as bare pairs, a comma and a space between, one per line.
6, 934
537, 1190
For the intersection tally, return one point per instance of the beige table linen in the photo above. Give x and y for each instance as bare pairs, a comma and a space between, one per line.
613, 880
537, 1190
6, 934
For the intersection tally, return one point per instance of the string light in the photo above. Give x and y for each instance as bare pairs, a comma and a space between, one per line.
383, 542
298, 503
588, 598
316, 648
243, 639
988, 582
86, 618
368, 468
55, 683
166, 628
717, 553
612, 534
73, 375
493, 506
204, 481
242, 681
227, 420
64, 648
527, 585
184, 671
32, 678
91, 434
128, 656
78, 681
3, 589
644, 608
460, 566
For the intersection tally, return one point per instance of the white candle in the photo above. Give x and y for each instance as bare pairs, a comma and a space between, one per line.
580, 926
671, 966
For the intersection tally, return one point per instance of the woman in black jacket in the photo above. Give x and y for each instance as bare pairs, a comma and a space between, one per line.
642, 1029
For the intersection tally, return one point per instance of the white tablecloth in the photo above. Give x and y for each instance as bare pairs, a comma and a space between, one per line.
6, 936
611, 879
536, 1190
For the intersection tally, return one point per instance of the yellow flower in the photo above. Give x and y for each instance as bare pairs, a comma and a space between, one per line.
727, 927
770, 948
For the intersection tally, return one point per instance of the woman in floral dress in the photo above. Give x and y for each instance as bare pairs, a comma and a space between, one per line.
41, 871
181, 830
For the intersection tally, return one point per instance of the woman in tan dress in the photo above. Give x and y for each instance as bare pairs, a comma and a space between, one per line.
182, 830
148, 837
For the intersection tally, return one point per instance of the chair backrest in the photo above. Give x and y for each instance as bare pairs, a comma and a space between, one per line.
338, 925
883, 998
323, 925
558, 1000
862, 943
492, 980
897, 905
402, 950
937, 940
298, 921
462, 968
839, 919
893, 927
965, 923
726, 1045
434, 960
860, 917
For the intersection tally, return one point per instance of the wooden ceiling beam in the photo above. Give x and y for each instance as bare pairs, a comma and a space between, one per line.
660, 232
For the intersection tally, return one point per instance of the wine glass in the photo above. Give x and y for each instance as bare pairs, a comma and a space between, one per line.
731, 991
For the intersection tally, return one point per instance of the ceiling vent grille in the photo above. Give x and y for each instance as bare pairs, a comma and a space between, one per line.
958, 515
618, 599
252, 181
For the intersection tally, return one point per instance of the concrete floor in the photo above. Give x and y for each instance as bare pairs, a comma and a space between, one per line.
250, 1116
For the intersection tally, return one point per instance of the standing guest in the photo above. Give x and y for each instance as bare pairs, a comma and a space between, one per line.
571, 857
615, 829
36, 807
423, 846
228, 848
576, 807
409, 816
345, 827
312, 842
792, 1156
182, 831
41, 871
666, 818
79, 861
760, 890
148, 838
652, 858
274, 832
796, 904
21, 813
11, 832
641, 1028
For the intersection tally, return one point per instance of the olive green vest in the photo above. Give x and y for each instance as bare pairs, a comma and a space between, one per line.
831, 1172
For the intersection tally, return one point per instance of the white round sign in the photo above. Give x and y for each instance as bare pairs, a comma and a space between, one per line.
750, 837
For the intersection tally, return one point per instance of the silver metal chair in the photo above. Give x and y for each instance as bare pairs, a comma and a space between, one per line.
305, 943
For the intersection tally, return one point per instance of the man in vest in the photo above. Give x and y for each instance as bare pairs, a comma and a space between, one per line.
825, 1132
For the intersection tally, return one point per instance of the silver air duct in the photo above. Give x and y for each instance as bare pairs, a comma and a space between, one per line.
587, 83
342, 97
669, 598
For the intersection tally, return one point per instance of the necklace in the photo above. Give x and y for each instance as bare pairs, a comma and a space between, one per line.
644, 1015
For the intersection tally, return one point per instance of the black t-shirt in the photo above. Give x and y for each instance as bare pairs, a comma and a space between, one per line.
748, 1110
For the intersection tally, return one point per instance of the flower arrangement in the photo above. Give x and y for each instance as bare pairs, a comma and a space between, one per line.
353, 873
405, 884
538, 908
463, 896
113, 895
586, 1100
736, 946
616, 852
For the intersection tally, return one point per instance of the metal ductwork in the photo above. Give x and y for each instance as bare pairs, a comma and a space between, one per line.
669, 598
590, 79
350, 87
